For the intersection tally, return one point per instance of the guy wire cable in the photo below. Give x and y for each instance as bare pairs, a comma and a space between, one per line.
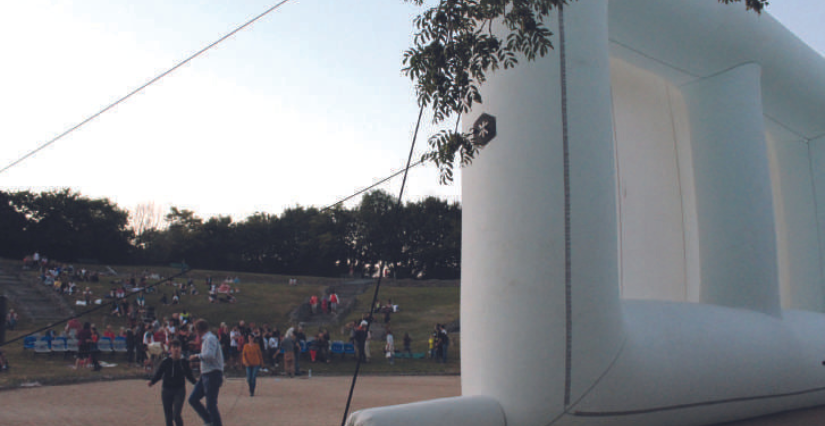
139, 89
404, 170
96, 308
380, 268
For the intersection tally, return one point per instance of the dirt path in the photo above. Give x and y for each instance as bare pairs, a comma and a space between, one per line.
316, 401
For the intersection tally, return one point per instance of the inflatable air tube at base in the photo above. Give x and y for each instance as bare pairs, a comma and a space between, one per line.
464, 410
680, 364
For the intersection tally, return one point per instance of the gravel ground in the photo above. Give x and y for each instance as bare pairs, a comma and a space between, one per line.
316, 401
300, 401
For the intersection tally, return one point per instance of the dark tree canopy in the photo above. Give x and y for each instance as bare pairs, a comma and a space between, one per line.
454, 48
65, 225
419, 239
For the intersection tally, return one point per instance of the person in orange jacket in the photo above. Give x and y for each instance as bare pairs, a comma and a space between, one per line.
252, 359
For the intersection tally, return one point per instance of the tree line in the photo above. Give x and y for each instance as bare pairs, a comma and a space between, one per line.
419, 239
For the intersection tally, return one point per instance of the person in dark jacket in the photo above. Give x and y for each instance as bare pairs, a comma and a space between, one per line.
87, 346
130, 346
173, 370
361, 341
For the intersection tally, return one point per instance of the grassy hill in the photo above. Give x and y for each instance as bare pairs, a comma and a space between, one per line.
263, 299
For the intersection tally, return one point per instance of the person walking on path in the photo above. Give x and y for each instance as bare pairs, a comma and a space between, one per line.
211, 359
252, 359
174, 370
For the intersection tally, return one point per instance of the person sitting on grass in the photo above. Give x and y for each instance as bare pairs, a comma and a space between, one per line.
87, 296
109, 333
115, 309
174, 370
185, 317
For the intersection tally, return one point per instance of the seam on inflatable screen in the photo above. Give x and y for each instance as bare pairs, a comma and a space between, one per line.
639, 52
599, 379
784, 126
692, 405
816, 210
557, 418
568, 273
720, 72
681, 191
617, 163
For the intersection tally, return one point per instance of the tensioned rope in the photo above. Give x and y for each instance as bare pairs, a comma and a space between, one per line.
139, 89
381, 267
96, 308
359, 192
568, 265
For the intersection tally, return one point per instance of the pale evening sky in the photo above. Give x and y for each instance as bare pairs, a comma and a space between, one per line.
304, 107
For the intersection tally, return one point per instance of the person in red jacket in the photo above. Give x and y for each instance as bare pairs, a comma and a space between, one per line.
313, 303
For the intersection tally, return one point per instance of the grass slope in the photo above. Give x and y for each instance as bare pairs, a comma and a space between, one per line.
263, 299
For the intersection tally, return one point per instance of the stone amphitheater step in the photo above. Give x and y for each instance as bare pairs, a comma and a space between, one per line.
347, 292
30, 302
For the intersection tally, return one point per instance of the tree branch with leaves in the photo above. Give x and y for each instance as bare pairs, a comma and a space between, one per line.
454, 48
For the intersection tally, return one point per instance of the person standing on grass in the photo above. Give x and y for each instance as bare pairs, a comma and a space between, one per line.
445, 343
4, 363
288, 344
85, 344
333, 302
390, 348
173, 370
407, 344
272, 349
252, 360
11, 319
360, 338
211, 359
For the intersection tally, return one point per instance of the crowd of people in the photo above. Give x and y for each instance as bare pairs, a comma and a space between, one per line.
165, 344
168, 345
